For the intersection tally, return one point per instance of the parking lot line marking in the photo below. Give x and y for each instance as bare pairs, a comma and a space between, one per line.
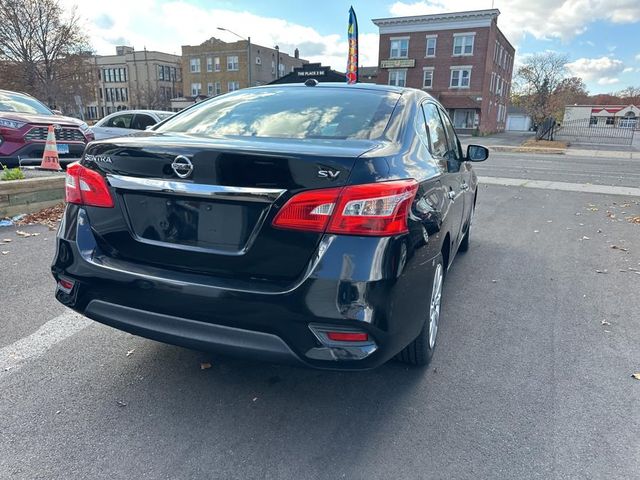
36, 344
563, 186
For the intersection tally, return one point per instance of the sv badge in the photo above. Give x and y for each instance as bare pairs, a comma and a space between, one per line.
328, 173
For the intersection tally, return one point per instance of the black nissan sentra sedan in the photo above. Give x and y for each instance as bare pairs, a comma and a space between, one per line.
310, 223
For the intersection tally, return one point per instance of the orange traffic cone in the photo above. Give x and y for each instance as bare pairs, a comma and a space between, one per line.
50, 159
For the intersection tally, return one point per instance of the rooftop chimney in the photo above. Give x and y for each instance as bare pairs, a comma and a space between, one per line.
296, 53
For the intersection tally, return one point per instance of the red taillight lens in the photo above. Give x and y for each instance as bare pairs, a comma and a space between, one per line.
86, 187
347, 336
309, 211
375, 209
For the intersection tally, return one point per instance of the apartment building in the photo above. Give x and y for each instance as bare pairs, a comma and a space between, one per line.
216, 67
134, 80
462, 59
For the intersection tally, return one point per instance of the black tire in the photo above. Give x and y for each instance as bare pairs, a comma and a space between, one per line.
419, 352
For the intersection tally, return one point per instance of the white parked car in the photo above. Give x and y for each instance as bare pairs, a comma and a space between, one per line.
126, 122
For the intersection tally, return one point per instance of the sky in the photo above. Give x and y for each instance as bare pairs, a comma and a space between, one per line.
600, 37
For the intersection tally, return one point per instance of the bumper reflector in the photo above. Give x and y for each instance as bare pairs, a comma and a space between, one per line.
65, 285
348, 336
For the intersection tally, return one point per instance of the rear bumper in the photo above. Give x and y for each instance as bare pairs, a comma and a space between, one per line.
270, 324
193, 334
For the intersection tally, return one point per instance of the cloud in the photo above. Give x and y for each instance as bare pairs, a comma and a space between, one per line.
607, 81
165, 26
638, 57
628, 69
602, 69
544, 19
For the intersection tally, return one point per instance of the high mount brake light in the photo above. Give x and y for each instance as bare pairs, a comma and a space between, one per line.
84, 186
373, 209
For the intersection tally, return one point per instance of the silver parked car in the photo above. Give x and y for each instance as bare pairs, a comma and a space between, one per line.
126, 122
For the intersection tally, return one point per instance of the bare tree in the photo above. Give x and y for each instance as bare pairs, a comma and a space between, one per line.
630, 95
537, 80
39, 41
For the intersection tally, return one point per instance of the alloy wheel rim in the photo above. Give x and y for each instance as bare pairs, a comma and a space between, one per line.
434, 310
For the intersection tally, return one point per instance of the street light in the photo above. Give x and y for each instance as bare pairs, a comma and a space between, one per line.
248, 40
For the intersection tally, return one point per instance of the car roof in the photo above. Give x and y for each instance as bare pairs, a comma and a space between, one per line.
140, 111
355, 86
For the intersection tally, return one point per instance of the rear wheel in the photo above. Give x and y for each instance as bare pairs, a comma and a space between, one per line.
420, 351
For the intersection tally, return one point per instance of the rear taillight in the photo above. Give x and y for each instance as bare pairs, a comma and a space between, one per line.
376, 209
86, 187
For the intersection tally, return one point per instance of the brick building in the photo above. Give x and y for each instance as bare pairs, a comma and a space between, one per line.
216, 67
462, 59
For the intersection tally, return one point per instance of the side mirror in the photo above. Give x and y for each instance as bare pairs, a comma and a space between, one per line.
477, 153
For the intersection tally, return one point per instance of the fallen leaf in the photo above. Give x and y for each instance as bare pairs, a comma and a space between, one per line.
58, 412
636, 376
130, 352
20, 233
4, 252
255, 398
602, 271
205, 365
586, 238
7, 240
121, 403
604, 322
493, 281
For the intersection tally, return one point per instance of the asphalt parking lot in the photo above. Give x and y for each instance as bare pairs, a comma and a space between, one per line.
531, 377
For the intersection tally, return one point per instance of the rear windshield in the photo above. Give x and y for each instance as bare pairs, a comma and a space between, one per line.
305, 112
10, 102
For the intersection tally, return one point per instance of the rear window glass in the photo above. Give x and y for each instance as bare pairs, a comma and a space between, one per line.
305, 112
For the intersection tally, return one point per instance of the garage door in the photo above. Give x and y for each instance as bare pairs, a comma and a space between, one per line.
517, 122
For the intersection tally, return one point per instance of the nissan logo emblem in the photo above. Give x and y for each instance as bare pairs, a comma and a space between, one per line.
182, 166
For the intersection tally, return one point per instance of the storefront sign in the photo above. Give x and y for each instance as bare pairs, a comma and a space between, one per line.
398, 63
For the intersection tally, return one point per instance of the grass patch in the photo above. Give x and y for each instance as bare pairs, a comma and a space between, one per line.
533, 143
11, 173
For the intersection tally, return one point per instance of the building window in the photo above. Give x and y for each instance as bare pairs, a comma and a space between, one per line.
209, 88
463, 44
593, 121
258, 60
217, 88
610, 121
399, 48
398, 78
216, 64
431, 46
427, 81
233, 86
493, 81
160, 72
196, 89
209, 64
464, 118
460, 77
232, 63
195, 65
281, 66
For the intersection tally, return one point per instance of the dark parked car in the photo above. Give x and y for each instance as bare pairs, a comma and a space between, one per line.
24, 124
309, 223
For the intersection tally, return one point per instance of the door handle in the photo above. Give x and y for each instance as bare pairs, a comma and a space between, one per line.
451, 194
464, 186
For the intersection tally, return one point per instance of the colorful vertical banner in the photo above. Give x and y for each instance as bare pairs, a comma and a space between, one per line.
352, 36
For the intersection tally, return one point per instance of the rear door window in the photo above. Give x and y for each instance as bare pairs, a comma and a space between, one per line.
453, 150
437, 136
141, 121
